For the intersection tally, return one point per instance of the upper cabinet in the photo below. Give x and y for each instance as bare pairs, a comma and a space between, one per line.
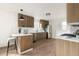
72, 12
44, 23
27, 22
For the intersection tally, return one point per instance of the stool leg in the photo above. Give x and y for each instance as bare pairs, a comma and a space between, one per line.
7, 48
15, 46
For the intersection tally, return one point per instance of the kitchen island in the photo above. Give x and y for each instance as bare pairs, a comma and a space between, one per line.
24, 42
66, 46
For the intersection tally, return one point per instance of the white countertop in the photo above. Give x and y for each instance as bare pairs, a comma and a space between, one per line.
21, 34
73, 39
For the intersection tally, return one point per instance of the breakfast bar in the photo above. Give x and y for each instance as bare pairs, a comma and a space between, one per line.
24, 42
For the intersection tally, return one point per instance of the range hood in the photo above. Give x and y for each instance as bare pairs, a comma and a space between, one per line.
74, 24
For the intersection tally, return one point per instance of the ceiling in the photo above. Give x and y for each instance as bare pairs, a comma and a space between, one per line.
35, 9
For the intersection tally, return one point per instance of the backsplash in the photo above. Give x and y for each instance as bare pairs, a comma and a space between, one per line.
74, 28
26, 30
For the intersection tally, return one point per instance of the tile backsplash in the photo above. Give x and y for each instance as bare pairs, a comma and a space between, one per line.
74, 28
26, 30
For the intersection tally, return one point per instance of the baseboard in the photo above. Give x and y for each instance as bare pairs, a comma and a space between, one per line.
26, 51
6, 46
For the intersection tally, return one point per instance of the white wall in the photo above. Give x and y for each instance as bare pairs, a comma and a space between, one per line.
59, 16
8, 25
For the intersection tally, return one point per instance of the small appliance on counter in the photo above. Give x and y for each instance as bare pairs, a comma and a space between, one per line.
68, 35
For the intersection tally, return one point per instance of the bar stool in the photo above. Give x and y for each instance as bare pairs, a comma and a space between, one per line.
11, 40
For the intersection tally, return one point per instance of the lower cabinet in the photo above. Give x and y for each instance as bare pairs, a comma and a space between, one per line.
67, 48
24, 43
40, 36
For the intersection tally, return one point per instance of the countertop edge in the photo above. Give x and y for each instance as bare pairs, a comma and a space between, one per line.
67, 39
21, 34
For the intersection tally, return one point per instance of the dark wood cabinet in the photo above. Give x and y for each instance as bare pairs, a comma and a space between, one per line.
24, 43
30, 21
40, 36
44, 23
27, 22
72, 12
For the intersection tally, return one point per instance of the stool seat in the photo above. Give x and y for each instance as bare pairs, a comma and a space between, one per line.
11, 39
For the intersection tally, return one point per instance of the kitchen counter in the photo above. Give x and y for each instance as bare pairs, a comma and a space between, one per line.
21, 34
73, 39
24, 42
67, 46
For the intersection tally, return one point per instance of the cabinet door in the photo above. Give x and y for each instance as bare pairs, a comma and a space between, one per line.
67, 48
72, 12
20, 22
24, 43
77, 11
62, 47
27, 22
74, 49
30, 21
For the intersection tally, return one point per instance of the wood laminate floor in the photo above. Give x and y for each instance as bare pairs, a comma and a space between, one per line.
41, 48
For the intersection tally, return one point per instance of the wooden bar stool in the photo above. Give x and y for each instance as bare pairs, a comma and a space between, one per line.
11, 40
